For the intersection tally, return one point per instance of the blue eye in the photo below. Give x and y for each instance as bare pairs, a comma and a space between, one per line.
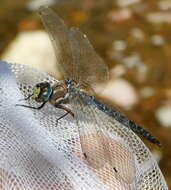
47, 93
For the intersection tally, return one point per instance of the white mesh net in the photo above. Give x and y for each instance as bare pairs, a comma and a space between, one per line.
37, 154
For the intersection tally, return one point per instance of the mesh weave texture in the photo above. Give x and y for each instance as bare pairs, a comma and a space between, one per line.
38, 154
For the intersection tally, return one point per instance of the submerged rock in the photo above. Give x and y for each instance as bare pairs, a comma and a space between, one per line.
120, 92
32, 48
163, 115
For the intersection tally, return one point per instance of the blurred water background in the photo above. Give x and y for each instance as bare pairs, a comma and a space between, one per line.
132, 36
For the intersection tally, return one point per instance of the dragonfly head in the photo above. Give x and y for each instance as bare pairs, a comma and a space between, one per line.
42, 92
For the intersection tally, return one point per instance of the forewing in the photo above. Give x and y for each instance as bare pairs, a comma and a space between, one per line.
104, 154
76, 57
58, 33
88, 66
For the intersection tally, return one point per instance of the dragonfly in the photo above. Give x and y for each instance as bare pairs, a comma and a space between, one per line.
82, 68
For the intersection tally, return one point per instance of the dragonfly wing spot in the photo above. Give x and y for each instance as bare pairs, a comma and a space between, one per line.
85, 155
115, 170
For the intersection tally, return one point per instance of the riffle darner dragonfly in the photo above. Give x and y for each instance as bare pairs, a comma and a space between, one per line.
82, 69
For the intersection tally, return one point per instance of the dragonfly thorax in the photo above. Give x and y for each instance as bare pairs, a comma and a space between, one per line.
75, 88
60, 93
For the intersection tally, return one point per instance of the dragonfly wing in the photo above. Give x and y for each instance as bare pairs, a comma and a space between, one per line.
125, 121
98, 147
92, 142
58, 32
88, 66
75, 55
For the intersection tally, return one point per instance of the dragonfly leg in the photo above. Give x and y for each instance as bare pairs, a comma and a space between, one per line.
36, 108
66, 109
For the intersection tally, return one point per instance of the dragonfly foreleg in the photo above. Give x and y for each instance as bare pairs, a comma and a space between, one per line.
36, 108
64, 108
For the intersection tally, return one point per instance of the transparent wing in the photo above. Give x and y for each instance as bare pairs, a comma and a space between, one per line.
101, 152
58, 33
89, 132
75, 55
113, 151
88, 66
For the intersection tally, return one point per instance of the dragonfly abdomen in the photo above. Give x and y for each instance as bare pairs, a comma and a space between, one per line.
139, 130
125, 121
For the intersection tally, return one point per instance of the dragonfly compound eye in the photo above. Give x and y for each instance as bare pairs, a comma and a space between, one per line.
36, 92
46, 94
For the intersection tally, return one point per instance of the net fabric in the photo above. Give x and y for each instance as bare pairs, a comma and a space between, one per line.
36, 154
